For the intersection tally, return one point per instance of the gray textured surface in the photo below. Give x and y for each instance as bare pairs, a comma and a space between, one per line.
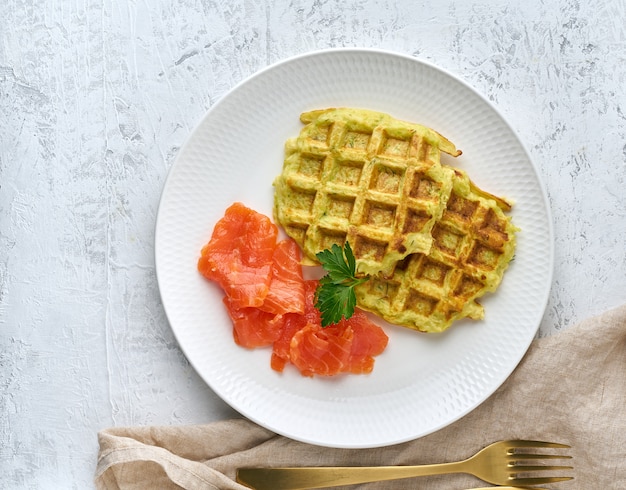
97, 98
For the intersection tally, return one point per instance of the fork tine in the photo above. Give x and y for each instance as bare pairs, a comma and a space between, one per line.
539, 481
518, 456
522, 443
529, 468
508, 488
525, 469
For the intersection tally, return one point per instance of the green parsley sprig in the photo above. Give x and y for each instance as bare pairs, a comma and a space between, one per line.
335, 296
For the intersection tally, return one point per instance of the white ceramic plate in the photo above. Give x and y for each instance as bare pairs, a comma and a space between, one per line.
421, 383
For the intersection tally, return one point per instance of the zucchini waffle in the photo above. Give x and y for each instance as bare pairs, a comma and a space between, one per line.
432, 242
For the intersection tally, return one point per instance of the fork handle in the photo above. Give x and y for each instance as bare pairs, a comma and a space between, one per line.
329, 476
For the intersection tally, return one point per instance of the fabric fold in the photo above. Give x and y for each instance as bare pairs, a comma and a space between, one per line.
569, 388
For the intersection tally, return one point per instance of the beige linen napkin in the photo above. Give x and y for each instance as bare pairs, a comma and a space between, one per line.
570, 387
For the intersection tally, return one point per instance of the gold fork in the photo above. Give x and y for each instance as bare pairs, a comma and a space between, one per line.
499, 464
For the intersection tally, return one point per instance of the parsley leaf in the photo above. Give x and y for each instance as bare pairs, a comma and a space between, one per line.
335, 297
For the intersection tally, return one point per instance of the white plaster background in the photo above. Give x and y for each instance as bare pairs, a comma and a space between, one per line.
96, 98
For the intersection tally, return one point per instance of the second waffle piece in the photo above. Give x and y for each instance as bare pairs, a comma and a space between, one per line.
474, 242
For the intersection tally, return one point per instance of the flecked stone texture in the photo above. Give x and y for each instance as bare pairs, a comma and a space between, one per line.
96, 100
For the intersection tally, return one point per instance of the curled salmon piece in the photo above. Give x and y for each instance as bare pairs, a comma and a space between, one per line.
286, 289
345, 347
239, 255
253, 327
322, 351
369, 340
281, 350
281, 355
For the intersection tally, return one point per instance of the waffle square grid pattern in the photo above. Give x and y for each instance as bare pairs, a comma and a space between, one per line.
380, 187
431, 241
471, 248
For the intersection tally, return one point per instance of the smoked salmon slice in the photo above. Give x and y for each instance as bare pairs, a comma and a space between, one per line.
270, 304
322, 351
346, 347
286, 289
293, 323
239, 255
281, 355
369, 341
253, 327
